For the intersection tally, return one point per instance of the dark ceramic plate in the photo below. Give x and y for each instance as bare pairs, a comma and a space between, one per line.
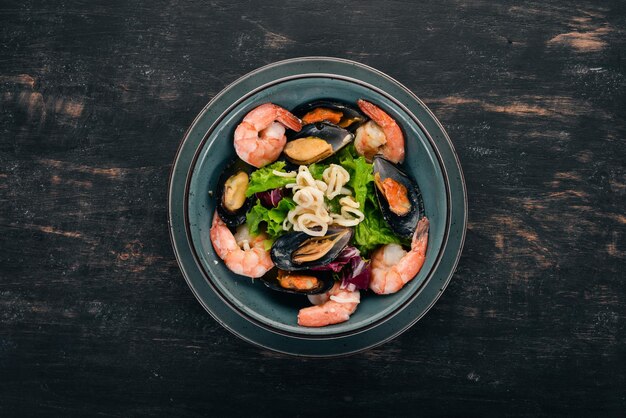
267, 318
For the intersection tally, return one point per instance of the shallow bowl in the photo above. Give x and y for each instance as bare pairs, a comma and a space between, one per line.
248, 308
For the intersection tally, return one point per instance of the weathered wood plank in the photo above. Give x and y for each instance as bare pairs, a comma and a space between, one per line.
95, 317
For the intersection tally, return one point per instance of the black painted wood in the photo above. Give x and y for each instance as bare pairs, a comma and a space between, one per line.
95, 317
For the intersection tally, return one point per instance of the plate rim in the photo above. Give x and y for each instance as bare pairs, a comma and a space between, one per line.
196, 159
444, 167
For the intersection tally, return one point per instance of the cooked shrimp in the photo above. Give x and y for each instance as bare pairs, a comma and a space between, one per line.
393, 267
381, 135
334, 307
241, 253
260, 137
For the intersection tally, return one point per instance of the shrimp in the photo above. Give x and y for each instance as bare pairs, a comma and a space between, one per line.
380, 135
260, 137
332, 307
253, 260
393, 267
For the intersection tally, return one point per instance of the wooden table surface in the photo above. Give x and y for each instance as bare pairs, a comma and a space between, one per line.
95, 317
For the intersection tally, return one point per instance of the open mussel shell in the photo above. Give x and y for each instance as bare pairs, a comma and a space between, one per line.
297, 251
232, 203
401, 203
303, 282
316, 142
330, 110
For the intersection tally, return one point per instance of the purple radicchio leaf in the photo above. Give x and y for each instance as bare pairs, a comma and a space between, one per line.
357, 274
270, 198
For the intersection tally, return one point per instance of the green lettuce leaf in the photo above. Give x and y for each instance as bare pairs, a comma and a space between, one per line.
317, 169
373, 231
360, 178
360, 173
344, 153
272, 218
333, 205
264, 179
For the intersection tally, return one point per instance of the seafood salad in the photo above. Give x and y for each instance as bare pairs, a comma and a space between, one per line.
318, 204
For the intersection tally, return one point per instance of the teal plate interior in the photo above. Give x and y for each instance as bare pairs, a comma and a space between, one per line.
279, 310
267, 318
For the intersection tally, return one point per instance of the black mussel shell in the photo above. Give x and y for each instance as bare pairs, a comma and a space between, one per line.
324, 281
329, 139
289, 247
337, 136
402, 225
352, 116
233, 218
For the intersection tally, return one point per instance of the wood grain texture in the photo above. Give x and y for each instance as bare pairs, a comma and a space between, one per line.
95, 317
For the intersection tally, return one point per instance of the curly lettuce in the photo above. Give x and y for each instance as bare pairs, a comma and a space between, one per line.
264, 179
317, 170
272, 218
373, 231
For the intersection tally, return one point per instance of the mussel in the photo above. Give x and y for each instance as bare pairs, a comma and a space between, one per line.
296, 251
399, 197
299, 282
332, 111
316, 142
232, 204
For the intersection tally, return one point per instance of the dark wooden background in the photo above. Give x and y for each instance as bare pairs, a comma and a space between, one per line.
95, 317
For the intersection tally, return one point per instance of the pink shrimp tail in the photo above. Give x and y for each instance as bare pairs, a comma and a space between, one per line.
259, 138
253, 262
330, 312
420, 237
288, 119
390, 278
217, 236
327, 314
418, 248
393, 150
